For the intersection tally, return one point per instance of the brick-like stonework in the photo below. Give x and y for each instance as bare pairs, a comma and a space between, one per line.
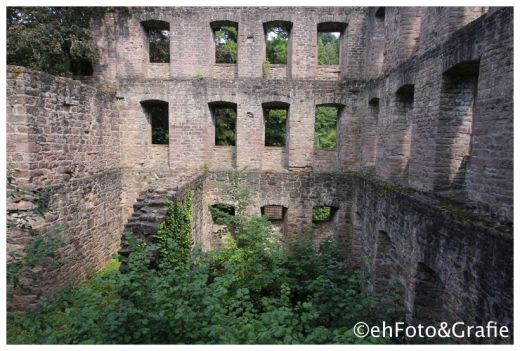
425, 96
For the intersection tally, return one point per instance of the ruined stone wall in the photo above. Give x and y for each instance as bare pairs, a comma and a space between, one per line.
297, 193
192, 128
471, 260
420, 146
64, 135
192, 47
422, 242
414, 86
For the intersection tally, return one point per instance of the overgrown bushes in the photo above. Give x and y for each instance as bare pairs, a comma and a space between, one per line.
254, 289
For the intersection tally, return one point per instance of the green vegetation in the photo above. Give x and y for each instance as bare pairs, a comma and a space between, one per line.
328, 48
321, 213
159, 45
56, 40
226, 44
275, 126
325, 127
266, 68
173, 236
277, 44
159, 120
25, 267
225, 124
254, 289
221, 213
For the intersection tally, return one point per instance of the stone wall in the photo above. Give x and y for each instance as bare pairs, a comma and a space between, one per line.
426, 104
471, 260
63, 135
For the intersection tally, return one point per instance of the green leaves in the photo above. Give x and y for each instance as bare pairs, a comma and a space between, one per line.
174, 234
253, 289
226, 44
328, 48
325, 127
56, 40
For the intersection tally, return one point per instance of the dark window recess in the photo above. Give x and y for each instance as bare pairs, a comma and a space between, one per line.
157, 112
322, 214
225, 126
275, 126
325, 127
159, 40
221, 213
226, 43
273, 212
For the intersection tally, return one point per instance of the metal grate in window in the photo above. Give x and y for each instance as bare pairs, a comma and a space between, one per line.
273, 212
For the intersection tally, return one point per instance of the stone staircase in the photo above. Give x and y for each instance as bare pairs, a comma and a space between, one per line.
150, 209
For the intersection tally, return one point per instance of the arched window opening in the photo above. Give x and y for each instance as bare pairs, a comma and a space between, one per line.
325, 126
275, 120
225, 36
158, 33
453, 139
429, 291
329, 42
157, 114
224, 117
380, 13
277, 34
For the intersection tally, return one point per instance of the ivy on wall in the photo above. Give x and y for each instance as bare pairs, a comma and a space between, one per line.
174, 234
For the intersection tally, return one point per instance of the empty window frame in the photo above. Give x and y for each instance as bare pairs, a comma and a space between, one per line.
222, 213
454, 129
157, 114
275, 123
325, 126
429, 292
158, 33
322, 214
225, 35
380, 13
225, 120
329, 42
277, 35
274, 212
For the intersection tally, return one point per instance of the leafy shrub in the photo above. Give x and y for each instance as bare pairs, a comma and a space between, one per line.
253, 289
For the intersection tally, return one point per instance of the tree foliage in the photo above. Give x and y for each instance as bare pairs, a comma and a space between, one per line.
277, 44
253, 289
56, 40
225, 125
226, 44
159, 45
325, 127
328, 48
174, 234
275, 127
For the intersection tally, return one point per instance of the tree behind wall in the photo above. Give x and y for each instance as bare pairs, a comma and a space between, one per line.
56, 40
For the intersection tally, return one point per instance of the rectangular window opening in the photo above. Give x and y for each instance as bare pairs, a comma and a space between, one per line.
225, 125
275, 126
158, 34
226, 43
322, 214
274, 212
157, 113
328, 48
325, 127
222, 213
277, 43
